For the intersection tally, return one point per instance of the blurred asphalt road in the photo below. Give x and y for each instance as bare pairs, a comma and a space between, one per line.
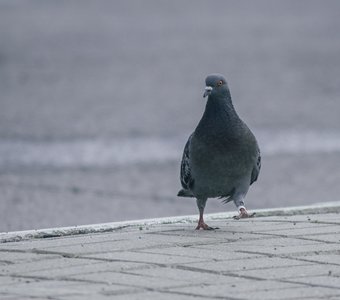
81, 79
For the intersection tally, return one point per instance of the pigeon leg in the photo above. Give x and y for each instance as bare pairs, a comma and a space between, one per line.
241, 208
201, 224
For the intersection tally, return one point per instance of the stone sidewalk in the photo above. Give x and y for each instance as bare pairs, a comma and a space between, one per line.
280, 254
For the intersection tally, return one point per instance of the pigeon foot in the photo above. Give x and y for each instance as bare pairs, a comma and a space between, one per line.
243, 214
204, 226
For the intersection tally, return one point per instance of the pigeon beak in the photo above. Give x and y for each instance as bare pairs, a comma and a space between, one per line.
207, 91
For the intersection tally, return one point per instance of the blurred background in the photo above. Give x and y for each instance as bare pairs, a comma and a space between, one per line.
97, 99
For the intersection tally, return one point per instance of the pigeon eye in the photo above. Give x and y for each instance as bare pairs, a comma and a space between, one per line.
219, 83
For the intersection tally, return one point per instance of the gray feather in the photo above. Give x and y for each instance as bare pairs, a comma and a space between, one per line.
186, 179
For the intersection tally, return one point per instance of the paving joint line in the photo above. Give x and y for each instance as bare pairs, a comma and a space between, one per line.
297, 255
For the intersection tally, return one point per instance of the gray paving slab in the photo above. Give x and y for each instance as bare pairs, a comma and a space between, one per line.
82, 268
43, 264
296, 271
201, 251
330, 281
326, 259
297, 250
268, 293
148, 258
269, 257
263, 263
33, 289
331, 237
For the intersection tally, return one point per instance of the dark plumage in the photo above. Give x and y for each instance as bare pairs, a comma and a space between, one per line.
221, 157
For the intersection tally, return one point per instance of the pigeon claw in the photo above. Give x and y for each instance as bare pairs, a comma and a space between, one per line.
243, 215
204, 226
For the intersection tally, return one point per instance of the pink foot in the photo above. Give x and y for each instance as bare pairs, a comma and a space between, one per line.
203, 226
243, 214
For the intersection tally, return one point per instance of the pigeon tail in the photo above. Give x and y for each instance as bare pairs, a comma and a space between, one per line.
185, 193
226, 199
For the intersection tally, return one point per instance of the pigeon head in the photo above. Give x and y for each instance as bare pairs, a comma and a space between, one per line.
216, 84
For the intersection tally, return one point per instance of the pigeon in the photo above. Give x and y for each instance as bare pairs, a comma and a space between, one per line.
221, 158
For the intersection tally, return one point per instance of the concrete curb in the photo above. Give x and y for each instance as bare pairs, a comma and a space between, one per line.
15, 236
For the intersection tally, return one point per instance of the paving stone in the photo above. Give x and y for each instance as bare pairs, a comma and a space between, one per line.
187, 274
232, 238
137, 295
136, 242
328, 258
278, 257
331, 237
214, 253
330, 281
47, 265
49, 288
275, 228
292, 272
239, 289
294, 294
298, 250
157, 296
271, 291
148, 258
90, 267
76, 240
8, 297
262, 263
297, 217
276, 241
329, 297
7, 280
314, 229
8, 258
130, 280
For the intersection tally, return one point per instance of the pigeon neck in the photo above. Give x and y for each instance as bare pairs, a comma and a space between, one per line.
219, 116
220, 106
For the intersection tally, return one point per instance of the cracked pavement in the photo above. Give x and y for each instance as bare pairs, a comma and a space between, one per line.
275, 257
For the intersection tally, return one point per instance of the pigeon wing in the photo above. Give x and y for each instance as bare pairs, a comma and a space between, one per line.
256, 170
186, 177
